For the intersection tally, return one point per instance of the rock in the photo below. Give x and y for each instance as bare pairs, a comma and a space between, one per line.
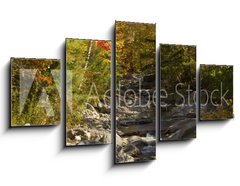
95, 136
108, 137
85, 135
122, 157
78, 138
88, 135
100, 105
141, 142
133, 139
27, 124
180, 128
131, 150
89, 114
121, 141
95, 127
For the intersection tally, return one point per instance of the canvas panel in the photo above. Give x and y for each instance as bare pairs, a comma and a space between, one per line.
35, 92
135, 92
177, 92
88, 78
216, 92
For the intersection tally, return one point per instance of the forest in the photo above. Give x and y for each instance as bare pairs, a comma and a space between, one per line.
135, 77
88, 80
178, 92
135, 49
35, 92
216, 98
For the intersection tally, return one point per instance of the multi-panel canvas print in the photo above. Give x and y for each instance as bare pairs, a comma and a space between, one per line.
88, 77
177, 92
216, 95
135, 92
35, 92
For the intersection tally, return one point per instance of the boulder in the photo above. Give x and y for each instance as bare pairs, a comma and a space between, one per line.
78, 138
122, 157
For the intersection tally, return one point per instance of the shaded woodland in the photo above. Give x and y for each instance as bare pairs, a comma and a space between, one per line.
216, 96
135, 109
88, 80
35, 92
178, 87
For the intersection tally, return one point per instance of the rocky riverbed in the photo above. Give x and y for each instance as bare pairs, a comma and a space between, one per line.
135, 130
178, 122
95, 130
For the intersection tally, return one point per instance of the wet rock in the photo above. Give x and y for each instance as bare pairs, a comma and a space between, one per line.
132, 150
179, 128
123, 157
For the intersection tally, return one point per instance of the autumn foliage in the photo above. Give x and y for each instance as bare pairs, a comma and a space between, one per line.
88, 74
104, 45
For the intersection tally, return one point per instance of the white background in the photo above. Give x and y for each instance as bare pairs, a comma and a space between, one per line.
35, 156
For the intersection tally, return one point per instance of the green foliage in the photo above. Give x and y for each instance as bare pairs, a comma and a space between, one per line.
211, 77
217, 77
135, 48
220, 113
178, 65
